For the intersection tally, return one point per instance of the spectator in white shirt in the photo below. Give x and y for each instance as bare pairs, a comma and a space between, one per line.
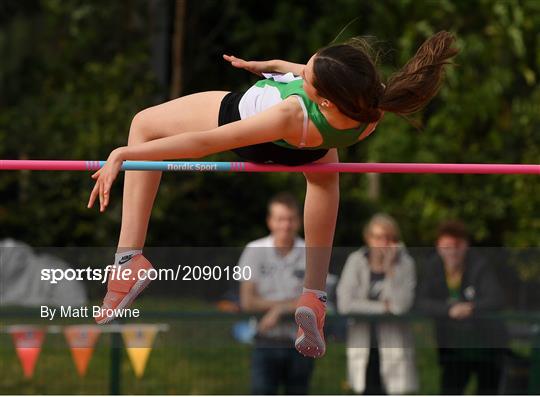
277, 264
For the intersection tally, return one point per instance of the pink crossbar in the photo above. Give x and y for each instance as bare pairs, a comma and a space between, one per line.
403, 168
394, 168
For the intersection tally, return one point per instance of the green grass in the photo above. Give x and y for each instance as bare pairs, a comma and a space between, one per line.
196, 356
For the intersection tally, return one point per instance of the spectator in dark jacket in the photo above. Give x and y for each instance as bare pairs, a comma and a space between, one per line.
458, 288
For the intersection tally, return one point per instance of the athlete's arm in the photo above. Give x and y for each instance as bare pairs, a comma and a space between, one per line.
368, 131
260, 67
286, 67
278, 122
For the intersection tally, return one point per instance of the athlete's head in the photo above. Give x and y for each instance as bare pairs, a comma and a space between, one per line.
345, 76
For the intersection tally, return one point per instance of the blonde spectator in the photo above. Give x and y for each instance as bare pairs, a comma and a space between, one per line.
379, 278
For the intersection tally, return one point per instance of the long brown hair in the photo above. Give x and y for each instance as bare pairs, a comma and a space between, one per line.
346, 75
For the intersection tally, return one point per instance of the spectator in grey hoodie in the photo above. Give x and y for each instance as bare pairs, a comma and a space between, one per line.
379, 278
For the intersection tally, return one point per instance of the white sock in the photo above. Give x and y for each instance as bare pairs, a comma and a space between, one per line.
123, 258
321, 295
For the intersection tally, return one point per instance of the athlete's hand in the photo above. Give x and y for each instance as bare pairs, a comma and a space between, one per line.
255, 67
104, 178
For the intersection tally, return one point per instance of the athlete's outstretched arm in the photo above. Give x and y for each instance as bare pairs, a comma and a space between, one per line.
278, 122
286, 67
259, 67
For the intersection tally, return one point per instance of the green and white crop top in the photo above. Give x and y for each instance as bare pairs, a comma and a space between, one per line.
277, 87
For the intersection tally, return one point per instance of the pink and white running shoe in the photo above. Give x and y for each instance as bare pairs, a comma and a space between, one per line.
120, 293
310, 314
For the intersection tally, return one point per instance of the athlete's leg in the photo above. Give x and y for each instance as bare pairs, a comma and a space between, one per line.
196, 112
320, 214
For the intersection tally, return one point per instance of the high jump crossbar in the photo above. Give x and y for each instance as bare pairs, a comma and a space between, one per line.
207, 166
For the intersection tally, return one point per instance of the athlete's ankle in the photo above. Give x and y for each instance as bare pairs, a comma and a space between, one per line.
123, 257
321, 295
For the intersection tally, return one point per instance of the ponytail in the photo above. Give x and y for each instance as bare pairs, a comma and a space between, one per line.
411, 88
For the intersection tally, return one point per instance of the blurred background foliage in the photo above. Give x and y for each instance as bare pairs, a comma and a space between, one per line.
73, 74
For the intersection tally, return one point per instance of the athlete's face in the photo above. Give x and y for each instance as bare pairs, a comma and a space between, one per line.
308, 77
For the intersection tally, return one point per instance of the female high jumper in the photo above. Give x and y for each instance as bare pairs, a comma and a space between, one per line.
299, 114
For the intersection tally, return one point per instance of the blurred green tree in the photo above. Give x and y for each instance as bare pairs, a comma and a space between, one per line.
74, 73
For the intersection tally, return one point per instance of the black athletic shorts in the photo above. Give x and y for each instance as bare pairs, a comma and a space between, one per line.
267, 152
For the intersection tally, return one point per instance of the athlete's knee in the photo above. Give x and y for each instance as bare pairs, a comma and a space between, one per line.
140, 128
322, 178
